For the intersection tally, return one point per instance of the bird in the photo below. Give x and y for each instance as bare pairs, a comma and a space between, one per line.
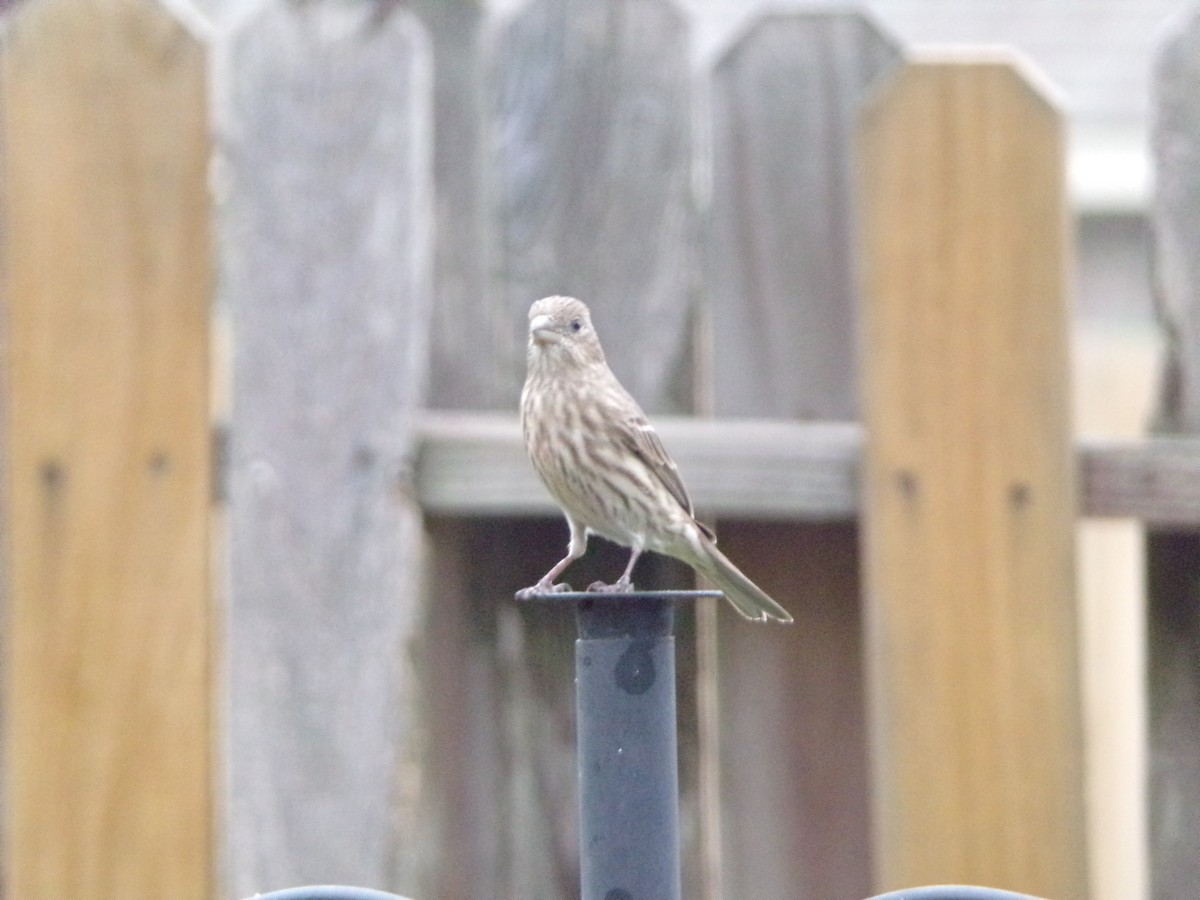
606, 467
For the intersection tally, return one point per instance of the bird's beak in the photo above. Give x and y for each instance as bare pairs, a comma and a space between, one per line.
541, 329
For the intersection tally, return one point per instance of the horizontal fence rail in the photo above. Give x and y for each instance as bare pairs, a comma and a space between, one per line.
475, 465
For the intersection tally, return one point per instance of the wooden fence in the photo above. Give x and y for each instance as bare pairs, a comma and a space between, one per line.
264, 294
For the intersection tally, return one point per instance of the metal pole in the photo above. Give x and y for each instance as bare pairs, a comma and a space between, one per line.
626, 733
628, 770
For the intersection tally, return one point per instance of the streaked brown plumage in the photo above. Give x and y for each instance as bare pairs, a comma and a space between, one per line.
602, 461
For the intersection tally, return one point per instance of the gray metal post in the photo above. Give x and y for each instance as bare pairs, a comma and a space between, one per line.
626, 732
628, 769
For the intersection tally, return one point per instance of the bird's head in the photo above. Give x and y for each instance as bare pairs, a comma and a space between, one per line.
560, 329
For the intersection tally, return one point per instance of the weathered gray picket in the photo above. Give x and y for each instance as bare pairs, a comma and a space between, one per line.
323, 189
782, 270
587, 160
591, 178
1173, 615
782, 283
460, 377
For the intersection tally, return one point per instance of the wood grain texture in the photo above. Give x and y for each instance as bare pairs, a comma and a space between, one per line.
969, 489
1173, 639
795, 807
591, 168
1175, 211
324, 225
1174, 596
107, 281
461, 279
782, 245
503, 775
1156, 481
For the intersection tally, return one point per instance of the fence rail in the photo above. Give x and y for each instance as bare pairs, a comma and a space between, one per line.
474, 465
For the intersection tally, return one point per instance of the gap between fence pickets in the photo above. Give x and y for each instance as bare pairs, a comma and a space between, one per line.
474, 464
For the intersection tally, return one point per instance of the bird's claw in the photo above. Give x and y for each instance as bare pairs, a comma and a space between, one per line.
620, 586
542, 589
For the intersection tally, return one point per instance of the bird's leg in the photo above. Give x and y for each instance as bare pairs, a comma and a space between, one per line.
575, 549
547, 584
622, 585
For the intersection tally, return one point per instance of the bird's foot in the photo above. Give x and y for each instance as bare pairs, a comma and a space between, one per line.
543, 589
620, 586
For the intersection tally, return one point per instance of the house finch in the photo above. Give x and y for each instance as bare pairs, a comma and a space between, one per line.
605, 465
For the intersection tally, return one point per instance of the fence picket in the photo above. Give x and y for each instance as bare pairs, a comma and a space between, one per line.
783, 248
1173, 623
107, 277
591, 170
781, 280
324, 225
969, 485
460, 350
588, 166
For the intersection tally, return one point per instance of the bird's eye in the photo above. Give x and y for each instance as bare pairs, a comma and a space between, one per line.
577, 325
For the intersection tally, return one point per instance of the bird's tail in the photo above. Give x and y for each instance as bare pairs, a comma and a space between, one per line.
747, 597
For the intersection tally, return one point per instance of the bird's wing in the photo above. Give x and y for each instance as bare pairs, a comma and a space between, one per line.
645, 443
